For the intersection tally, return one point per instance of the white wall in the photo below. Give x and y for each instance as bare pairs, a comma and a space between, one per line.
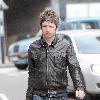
83, 10
94, 9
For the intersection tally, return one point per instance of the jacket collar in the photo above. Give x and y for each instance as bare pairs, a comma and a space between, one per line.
44, 44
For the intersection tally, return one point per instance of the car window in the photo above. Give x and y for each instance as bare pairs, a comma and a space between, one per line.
88, 44
89, 25
79, 24
64, 26
99, 24
73, 25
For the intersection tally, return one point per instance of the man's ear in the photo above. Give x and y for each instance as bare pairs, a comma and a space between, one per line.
56, 29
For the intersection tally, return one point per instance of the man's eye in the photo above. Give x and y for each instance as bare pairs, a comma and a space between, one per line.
51, 26
44, 26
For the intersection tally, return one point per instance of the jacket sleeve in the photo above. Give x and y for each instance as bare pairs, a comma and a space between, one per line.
28, 98
74, 68
29, 92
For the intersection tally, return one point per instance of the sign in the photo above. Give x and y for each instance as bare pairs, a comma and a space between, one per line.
3, 7
1, 23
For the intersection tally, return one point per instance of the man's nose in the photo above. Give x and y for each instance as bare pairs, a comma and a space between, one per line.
48, 28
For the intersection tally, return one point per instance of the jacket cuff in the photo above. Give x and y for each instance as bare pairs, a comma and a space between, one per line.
28, 98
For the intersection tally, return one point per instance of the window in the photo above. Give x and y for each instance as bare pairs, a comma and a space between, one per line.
89, 25
88, 44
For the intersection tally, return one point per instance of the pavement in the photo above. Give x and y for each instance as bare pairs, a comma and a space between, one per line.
6, 63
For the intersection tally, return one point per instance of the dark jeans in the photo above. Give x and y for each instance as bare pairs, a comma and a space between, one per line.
62, 96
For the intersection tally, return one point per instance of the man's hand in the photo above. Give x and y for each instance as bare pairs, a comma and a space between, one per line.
80, 94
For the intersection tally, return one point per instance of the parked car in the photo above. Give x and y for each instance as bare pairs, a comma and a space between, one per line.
18, 52
81, 23
86, 44
87, 47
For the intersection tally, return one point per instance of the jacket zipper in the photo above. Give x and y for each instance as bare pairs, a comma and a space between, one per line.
47, 66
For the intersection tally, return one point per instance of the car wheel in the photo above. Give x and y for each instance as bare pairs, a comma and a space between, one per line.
24, 66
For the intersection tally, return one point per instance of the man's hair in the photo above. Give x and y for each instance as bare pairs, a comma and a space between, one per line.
49, 15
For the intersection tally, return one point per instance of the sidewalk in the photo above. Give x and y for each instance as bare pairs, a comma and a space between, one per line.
7, 64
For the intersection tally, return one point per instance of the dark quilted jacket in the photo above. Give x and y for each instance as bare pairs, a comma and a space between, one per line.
48, 66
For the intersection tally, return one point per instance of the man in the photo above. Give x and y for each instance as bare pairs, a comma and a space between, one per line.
48, 60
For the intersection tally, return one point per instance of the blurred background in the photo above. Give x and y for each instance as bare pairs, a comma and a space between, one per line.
19, 20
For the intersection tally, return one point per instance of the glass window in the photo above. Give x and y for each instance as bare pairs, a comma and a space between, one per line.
73, 25
89, 25
88, 44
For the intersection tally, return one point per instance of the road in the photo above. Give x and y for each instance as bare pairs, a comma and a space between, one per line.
13, 84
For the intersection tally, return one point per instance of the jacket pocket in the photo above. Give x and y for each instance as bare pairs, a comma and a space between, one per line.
36, 57
60, 59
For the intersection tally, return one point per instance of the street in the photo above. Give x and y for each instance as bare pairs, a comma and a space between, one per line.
13, 84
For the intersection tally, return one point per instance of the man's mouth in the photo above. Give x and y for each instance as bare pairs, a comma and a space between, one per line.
48, 33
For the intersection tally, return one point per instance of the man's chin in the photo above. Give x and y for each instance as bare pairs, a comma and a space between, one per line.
49, 36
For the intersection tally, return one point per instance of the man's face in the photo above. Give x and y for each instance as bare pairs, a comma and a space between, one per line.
48, 29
